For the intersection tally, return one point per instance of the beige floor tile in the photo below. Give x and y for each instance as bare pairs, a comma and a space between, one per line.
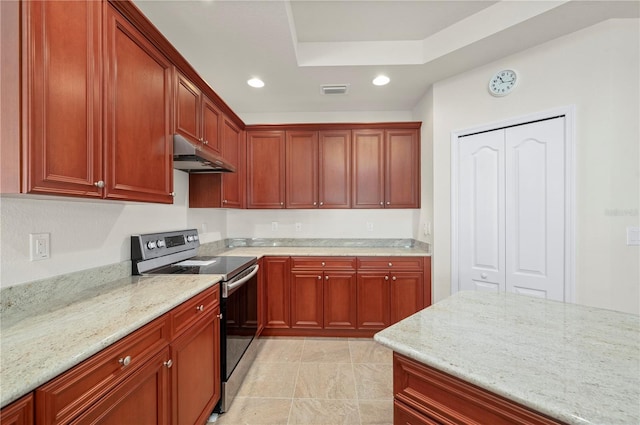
256, 411
325, 381
376, 412
374, 381
369, 351
269, 380
326, 351
325, 412
279, 350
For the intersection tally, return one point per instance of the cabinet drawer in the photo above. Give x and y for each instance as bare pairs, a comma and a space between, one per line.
193, 309
69, 394
20, 412
323, 263
391, 263
450, 400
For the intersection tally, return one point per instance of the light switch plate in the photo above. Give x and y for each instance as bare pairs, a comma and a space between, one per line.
633, 236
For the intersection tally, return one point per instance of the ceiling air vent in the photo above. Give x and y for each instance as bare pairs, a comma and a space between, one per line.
333, 89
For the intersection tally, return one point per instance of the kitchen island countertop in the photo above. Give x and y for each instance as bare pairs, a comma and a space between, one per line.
41, 346
577, 364
261, 251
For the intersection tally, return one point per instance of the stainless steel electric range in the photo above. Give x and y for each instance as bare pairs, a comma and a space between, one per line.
176, 253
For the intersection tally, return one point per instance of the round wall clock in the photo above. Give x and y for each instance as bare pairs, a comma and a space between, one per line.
503, 82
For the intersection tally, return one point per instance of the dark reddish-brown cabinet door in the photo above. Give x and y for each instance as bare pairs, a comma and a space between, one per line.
143, 398
277, 292
373, 300
306, 299
406, 294
368, 169
404, 415
20, 412
138, 142
340, 304
265, 169
302, 169
233, 151
211, 118
63, 97
187, 109
334, 152
196, 385
402, 172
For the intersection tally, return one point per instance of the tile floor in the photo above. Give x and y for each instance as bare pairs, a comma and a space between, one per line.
330, 381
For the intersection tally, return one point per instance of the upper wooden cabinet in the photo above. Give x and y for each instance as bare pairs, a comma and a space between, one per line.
138, 139
197, 118
386, 168
91, 117
318, 169
233, 150
265, 169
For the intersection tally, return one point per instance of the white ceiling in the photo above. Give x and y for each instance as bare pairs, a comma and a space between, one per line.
296, 46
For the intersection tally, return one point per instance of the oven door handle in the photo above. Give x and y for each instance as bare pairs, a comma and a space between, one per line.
231, 287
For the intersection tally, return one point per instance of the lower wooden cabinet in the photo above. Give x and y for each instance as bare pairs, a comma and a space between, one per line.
167, 372
342, 296
20, 412
424, 395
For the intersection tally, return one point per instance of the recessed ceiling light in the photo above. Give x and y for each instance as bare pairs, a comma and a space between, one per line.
255, 82
381, 80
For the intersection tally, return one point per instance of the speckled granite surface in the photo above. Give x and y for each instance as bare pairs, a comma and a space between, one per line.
578, 364
327, 251
40, 346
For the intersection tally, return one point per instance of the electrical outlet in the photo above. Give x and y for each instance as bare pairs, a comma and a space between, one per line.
298, 227
274, 226
39, 246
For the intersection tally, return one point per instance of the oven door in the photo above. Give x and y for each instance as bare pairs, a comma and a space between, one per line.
239, 323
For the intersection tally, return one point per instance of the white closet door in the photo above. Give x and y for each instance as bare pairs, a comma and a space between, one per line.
481, 220
535, 217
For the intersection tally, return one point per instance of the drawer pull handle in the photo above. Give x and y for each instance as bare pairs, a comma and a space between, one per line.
99, 184
390, 264
125, 361
168, 363
200, 307
323, 264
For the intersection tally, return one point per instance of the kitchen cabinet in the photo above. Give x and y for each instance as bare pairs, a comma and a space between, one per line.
195, 372
197, 118
167, 372
389, 289
20, 412
343, 296
137, 115
265, 169
261, 296
424, 395
318, 168
386, 168
96, 98
323, 292
277, 293
226, 190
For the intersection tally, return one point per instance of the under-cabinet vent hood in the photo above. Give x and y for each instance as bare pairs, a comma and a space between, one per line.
195, 159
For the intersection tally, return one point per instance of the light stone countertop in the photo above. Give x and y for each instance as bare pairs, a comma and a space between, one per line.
324, 251
37, 348
578, 364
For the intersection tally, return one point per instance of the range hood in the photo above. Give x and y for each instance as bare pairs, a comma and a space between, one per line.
193, 159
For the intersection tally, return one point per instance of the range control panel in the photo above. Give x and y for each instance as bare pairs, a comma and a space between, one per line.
154, 245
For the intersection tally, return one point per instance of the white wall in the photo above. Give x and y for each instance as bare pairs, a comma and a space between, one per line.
597, 70
84, 233
423, 111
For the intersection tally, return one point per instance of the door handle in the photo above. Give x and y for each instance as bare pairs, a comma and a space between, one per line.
483, 275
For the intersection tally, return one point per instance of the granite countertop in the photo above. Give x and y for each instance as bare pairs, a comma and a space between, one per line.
255, 251
40, 346
578, 364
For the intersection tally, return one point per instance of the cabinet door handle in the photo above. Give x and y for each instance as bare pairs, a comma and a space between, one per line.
219, 316
381, 203
281, 203
125, 361
326, 278
99, 184
315, 203
386, 278
224, 201
206, 142
200, 307
388, 203
168, 363
321, 203
393, 278
483, 275
319, 277
173, 194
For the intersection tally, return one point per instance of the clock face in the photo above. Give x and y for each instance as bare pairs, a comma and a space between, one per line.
503, 82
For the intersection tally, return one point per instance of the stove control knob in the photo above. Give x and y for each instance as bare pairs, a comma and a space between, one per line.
195, 237
151, 244
190, 238
160, 243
